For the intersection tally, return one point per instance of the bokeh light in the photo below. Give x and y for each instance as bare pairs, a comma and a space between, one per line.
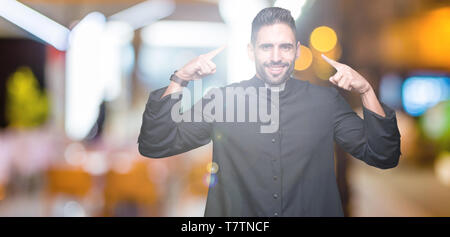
73, 209
391, 90
322, 68
35, 23
122, 163
422, 92
304, 60
323, 38
2, 192
75, 154
210, 180
436, 123
442, 168
409, 131
212, 167
423, 40
96, 163
433, 37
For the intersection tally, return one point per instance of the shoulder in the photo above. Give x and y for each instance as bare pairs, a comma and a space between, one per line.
223, 89
243, 83
316, 90
240, 84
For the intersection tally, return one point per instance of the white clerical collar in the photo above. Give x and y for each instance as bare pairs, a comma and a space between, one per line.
276, 88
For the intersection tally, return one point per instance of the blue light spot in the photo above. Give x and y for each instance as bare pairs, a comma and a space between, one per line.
422, 92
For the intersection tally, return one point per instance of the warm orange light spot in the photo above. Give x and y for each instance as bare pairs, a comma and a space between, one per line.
304, 60
442, 168
322, 69
423, 41
323, 38
434, 37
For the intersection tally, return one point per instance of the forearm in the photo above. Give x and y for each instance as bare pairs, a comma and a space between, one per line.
383, 138
172, 88
374, 139
157, 126
160, 136
370, 101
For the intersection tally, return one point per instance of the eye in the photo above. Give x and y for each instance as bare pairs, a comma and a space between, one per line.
286, 47
266, 46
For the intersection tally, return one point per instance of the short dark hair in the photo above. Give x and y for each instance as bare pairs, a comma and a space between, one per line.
270, 16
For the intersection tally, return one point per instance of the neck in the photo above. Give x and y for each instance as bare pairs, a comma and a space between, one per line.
277, 87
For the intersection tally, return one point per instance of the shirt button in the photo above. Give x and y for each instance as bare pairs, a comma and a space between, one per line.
275, 178
275, 196
273, 140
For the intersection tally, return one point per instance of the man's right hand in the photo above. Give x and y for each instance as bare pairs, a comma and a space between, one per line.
199, 67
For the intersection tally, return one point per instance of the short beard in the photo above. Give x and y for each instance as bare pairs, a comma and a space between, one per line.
285, 77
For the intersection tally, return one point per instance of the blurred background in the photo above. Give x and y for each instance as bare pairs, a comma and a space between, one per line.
75, 76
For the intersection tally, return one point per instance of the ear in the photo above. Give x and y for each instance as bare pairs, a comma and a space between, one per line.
297, 54
251, 51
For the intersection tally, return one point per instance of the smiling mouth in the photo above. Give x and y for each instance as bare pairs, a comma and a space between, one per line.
275, 70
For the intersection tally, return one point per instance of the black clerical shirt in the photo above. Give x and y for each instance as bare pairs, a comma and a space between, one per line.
290, 172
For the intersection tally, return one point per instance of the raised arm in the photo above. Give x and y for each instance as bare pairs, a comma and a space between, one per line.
351, 80
160, 136
376, 139
197, 68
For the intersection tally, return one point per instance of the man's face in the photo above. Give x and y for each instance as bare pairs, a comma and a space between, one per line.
274, 53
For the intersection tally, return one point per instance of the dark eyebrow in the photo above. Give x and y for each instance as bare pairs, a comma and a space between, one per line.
287, 45
266, 45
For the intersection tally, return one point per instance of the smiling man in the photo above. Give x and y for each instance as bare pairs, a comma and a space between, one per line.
274, 48
289, 171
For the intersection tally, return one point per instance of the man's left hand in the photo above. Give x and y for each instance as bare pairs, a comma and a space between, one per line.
347, 78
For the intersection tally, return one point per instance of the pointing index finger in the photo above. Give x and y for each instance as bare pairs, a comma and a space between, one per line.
331, 62
212, 54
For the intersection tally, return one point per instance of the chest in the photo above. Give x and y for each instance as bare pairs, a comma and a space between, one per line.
299, 127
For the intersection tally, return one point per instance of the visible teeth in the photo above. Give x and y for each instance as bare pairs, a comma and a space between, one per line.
275, 70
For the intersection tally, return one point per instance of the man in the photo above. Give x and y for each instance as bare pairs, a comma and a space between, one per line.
290, 170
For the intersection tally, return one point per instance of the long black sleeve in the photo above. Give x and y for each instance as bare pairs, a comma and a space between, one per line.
160, 136
374, 140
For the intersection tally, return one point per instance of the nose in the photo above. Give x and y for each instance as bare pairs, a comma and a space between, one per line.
276, 57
